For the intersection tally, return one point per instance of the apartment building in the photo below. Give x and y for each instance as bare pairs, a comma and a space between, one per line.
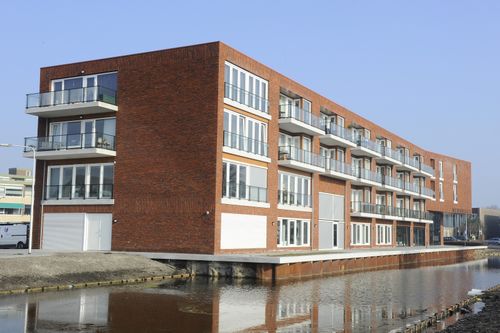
202, 149
15, 196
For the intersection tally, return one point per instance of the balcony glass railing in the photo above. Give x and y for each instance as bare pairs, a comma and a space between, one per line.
232, 190
79, 191
338, 166
299, 155
391, 181
367, 175
364, 142
391, 153
427, 169
245, 144
71, 141
411, 187
369, 208
294, 199
341, 132
427, 192
410, 161
71, 96
294, 112
245, 97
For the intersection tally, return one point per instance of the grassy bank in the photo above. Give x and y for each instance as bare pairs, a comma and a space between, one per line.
63, 269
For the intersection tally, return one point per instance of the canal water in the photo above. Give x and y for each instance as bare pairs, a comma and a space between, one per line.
377, 301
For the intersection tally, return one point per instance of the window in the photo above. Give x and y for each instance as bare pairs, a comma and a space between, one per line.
360, 234
244, 133
441, 193
294, 190
455, 194
81, 181
89, 133
455, 175
441, 170
98, 87
384, 234
244, 182
13, 191
245, 88
293, 232
2, 192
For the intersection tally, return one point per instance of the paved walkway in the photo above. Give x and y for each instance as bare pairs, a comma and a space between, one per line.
282, 257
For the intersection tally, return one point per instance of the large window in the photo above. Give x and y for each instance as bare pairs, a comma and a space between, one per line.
455, 193
81, 181
245, 88
244, 182
81, 134
418, 236
244, 133
294, 190
384, 234
97, 87
12, 191
441, 170
293, 232
360, 234
441, 192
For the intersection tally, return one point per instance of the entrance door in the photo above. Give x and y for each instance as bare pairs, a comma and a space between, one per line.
329, 235
98, 232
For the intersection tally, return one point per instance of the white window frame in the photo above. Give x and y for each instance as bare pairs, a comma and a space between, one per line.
384, 234
238, 180
243, 130
455, 194
360, 233
299, 180
441, 192
305, 225
73, 180
455, 173
252, 84
441, 172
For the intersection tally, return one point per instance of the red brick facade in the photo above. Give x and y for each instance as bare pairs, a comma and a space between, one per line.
168, 165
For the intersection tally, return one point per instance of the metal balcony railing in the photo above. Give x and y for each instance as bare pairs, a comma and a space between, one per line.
294, 199
341, 132
338, 166
306, 117
245, 144
78, 191
367, 174
232, 190
245, 97
371, 145
299, 155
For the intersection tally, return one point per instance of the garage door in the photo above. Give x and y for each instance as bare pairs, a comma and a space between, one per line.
63, 231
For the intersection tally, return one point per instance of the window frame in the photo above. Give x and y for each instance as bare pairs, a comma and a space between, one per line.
305, 225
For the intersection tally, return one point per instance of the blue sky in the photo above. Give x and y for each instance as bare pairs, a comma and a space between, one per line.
426, 70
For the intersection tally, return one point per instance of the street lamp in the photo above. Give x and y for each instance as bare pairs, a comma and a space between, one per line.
32, 148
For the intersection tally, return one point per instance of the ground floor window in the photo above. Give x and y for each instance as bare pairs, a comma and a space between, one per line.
384, 234
403, 236
293, 232
360, 234
418, 236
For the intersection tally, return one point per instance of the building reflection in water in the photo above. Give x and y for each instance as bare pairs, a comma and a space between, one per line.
364, 302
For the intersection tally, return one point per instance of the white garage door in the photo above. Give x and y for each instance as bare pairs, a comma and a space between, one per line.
77, 232
239, 231
63, 231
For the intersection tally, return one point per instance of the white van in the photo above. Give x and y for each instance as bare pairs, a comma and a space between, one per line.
14, 235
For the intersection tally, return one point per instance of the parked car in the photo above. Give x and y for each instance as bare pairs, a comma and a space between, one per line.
13, 235
450, 239
493, 241
461, 238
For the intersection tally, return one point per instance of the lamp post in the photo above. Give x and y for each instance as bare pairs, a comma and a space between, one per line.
32, 148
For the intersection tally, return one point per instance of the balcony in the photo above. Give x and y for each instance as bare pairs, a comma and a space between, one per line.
247, 147
246, 100
59, 147
79, 194
367, 148
338, 136
296, 120
390, 156
338, 169
409, 164
368, 210
72, 102
244, 195
425, 170
392, 184
294, 201
411, 188
427, 193
365, 177
302, 160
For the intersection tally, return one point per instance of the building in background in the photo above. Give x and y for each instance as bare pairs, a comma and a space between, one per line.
202, 149
489, 220
15, 196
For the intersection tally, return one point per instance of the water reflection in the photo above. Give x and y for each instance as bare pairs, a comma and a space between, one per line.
364, 302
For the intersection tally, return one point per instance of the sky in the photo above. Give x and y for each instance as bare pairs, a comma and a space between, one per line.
426, 70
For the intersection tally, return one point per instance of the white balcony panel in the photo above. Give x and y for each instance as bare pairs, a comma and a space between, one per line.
333, 140
296, 126
76, 109
71, 153
301, 166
